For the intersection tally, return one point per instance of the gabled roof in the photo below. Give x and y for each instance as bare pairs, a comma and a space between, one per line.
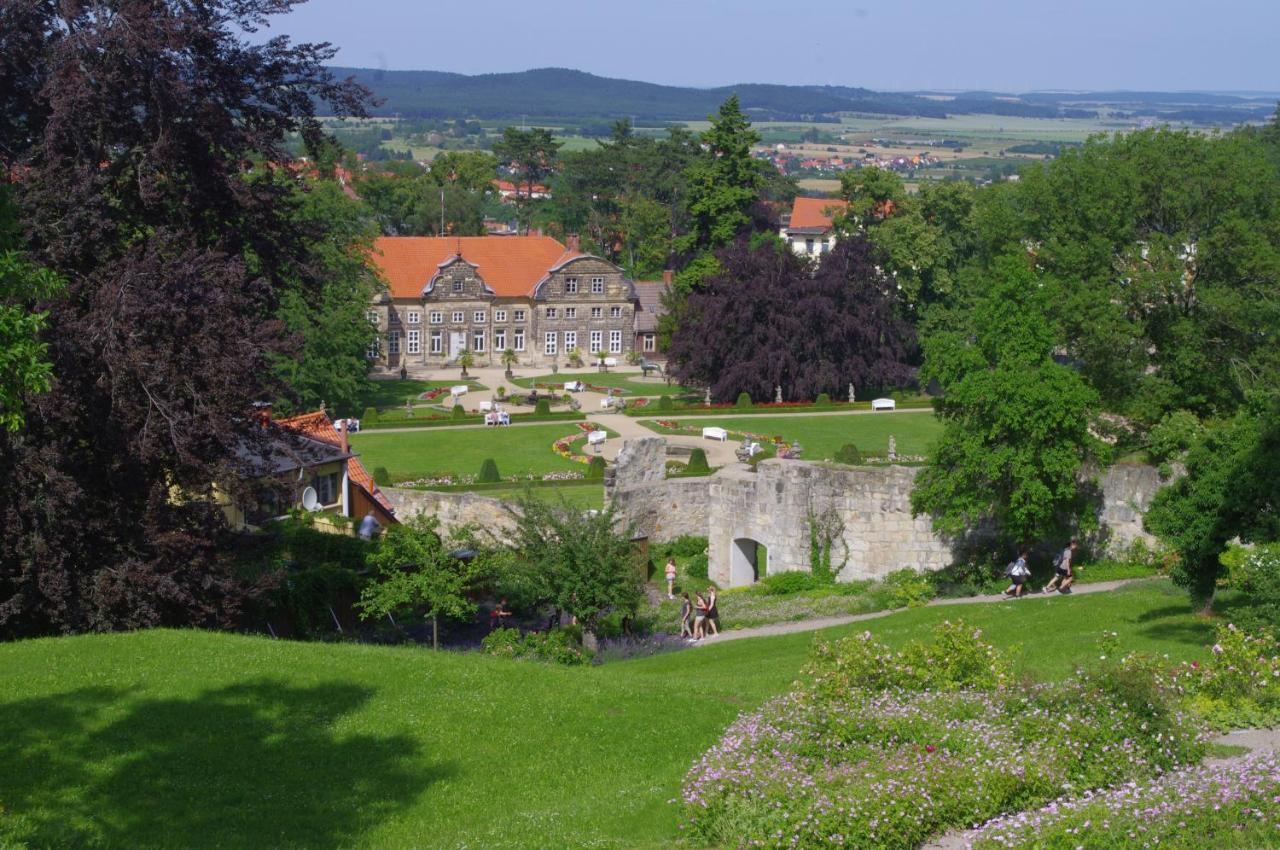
509, 265
318, 427
649, 293
815, 213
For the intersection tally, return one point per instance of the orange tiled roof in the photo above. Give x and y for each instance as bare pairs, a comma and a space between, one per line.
815, 212
510, 265
318, 426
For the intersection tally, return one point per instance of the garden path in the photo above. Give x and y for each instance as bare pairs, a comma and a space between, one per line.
828, 622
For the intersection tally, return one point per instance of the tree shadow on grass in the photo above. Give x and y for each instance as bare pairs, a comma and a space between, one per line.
261, 764
1176, 623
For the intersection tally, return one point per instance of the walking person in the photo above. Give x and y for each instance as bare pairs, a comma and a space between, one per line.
713, 613
1018, 573
1064, 572
686, 616
671, 577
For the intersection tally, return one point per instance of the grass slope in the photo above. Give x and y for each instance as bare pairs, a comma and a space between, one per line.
191, 739
518, 451
821, 436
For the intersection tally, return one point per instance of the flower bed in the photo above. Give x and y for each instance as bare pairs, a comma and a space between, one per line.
877, 748
1224, 806
1239, 685
565, 445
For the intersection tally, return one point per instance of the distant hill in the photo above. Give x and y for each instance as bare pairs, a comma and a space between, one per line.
565, 93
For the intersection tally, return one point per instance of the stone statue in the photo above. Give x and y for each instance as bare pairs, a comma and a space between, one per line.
777, 395
707, 399
852, 399
408, 407
893, 448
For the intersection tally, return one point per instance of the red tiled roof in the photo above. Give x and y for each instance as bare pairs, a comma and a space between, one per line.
508, 186
318, 426
815, 212
510, 265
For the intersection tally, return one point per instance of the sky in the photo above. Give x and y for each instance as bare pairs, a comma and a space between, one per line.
1003, 45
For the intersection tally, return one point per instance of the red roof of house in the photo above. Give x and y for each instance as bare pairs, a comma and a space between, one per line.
318, 426
815, 212
510, 265
518, 188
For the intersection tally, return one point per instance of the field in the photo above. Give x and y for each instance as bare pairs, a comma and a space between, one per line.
618, 380
523, 450
392, 394
585, 495
201, 740
821, 436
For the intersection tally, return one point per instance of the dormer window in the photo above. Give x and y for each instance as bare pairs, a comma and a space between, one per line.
597, 286
571, 286
457, 285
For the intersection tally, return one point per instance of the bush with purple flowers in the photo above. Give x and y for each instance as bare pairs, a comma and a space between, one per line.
1239, 686
1231, 805
884, 748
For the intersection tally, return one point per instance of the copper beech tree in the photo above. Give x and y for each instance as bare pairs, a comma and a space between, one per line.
143, 135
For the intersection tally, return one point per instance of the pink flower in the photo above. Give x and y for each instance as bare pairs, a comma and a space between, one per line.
929, 748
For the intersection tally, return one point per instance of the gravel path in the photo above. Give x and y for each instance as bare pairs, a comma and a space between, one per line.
828, 622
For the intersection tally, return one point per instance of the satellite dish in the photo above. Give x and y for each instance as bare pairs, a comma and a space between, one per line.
310, 500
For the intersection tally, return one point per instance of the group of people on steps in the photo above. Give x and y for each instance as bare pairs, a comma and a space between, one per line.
1064, 573
697, 615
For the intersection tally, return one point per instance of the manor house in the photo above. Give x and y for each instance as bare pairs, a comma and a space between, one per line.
485, 294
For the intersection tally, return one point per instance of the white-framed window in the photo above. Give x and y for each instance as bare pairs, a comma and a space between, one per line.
597, 342
374, 350
457, 285
650, 342
413, 317
459, 317
326, 487
571, 312
393, 318
518, 316
571, 286
372, 316
518, 342
615, 312
597, 312
615, 342
478, 317
549, 343
393, 342
552, 312
413, 342
597, 285
500, 339
477, 341
499, 316
570, 340
437, 318
437, 342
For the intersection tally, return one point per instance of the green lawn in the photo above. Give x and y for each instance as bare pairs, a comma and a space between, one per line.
618, 380
391, 394
588, 494
821, 436
202, 740
525, 450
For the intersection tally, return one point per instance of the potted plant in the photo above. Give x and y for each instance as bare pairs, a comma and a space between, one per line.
508, 360
575, 358
466, 360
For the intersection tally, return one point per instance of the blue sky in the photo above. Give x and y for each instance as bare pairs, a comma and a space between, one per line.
1010, 45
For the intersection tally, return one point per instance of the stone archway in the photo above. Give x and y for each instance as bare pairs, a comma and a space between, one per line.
744, 561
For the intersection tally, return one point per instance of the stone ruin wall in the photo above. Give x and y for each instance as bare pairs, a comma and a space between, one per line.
869, 506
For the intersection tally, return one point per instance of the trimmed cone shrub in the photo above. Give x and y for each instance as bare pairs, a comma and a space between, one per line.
595, 469
744, 400
489, 472
822, 398
665, 403
369, 416
848, 453
698, 462
543, 407
381, 477
459, 412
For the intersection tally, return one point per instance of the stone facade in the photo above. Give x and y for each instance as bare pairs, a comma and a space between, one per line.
1127, 491
454, 510
581, 303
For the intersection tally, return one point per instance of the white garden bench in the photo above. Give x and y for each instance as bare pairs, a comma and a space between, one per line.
713, 433
884, 404
594, 437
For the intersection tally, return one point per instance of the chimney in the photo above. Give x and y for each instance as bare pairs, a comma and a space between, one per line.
342, 432
666, 277
572, 242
